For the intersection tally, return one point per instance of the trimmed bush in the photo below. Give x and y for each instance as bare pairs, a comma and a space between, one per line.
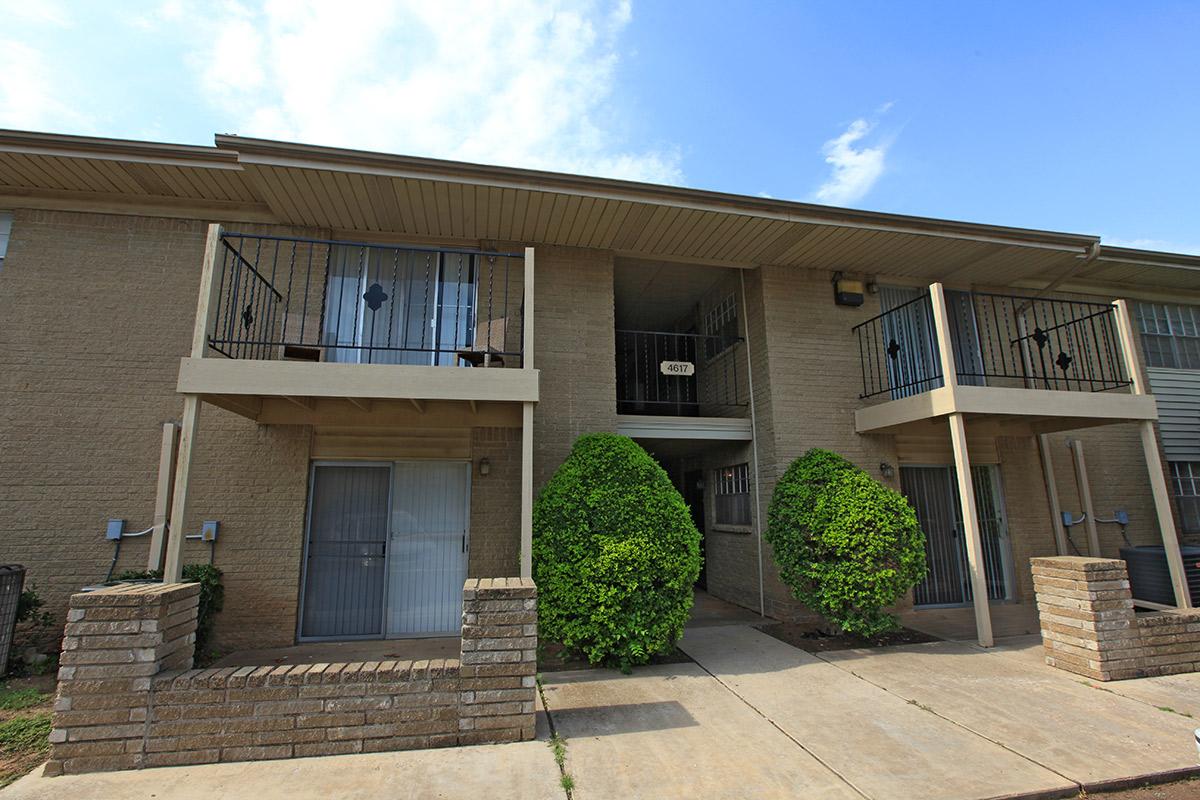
615, 554
847, 546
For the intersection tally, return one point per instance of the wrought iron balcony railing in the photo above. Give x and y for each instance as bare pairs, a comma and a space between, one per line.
679, 374
996, 340
324, 300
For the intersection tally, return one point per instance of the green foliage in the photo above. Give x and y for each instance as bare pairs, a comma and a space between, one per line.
31, 629
17, 699
212, 598
615, 553
24, 734
847, 546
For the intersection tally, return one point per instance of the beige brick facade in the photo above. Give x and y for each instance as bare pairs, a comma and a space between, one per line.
96, 310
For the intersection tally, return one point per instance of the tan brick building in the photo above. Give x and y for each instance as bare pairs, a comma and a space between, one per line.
312, 349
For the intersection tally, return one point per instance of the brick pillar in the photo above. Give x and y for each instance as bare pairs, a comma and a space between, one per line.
115, 641
1087, 619
499, 660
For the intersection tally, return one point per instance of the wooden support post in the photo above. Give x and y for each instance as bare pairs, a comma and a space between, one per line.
966, 496
941, 324
1158, 481
162, 494
1085, 498
209, 286
1166, 522
1060, 531
527, 490
173, 568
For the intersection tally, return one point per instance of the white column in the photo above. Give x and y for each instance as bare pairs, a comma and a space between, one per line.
966, 496
209, 286
173, 567
527, 426
1158, 483
527, 490
162, 495
1085, 498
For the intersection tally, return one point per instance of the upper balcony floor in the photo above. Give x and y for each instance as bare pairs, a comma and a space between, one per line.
1027, 364
288, 322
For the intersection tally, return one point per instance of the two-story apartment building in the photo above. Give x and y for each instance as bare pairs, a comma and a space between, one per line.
363, 367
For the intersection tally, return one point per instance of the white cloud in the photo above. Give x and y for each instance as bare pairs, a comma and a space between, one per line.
854, 169
38, 12
29, 97
520, 82
1151, 244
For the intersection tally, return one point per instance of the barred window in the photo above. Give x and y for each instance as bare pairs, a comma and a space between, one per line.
732, 489
1170, 335
1185, 486
721, 322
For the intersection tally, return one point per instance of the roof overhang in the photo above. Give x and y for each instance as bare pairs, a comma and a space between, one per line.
367, 194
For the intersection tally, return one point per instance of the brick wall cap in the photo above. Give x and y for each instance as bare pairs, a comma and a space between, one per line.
1079, 563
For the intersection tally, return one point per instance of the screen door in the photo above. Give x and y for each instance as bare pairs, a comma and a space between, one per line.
427, 551
346, 552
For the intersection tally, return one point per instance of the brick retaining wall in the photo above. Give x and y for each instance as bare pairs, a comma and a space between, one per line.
127, 698
1089, 626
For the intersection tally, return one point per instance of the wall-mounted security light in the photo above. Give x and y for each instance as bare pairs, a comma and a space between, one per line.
847, 292
886, 469
485, 466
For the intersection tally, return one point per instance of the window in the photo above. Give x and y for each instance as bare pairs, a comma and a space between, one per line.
5, 232
720, 322
1170, 335
733, 495
1185, 486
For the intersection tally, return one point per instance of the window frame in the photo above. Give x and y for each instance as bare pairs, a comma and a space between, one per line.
732, 481
1166, 325
1185, 491
716, 323
6, 226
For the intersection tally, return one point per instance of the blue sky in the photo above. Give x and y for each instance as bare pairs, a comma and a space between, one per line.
1082, 117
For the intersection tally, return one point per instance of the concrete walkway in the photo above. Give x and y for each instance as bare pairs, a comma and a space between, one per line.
757, 717
525, 770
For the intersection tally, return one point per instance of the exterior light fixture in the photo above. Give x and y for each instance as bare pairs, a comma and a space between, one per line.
847, 292
886, 469
485, 466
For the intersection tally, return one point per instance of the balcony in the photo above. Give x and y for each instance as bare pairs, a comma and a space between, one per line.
1024, 364
684, 385
286, 323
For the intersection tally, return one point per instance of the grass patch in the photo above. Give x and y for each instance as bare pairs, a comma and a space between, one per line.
22, 734
25, 722
17, 699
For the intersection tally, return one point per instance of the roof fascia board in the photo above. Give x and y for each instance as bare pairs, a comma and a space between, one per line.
182, 155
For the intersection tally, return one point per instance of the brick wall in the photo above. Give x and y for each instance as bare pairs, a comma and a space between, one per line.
116, 640
1089, 626
495, 502
127, 699
575, 351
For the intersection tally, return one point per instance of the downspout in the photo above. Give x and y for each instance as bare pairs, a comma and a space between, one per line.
762, 599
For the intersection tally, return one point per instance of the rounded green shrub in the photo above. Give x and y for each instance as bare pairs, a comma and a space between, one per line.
847, 546
615, 553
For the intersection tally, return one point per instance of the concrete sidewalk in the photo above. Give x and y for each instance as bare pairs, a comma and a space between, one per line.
525, 770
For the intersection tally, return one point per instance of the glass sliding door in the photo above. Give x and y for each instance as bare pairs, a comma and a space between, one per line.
399, 307
933, 493
386, 549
